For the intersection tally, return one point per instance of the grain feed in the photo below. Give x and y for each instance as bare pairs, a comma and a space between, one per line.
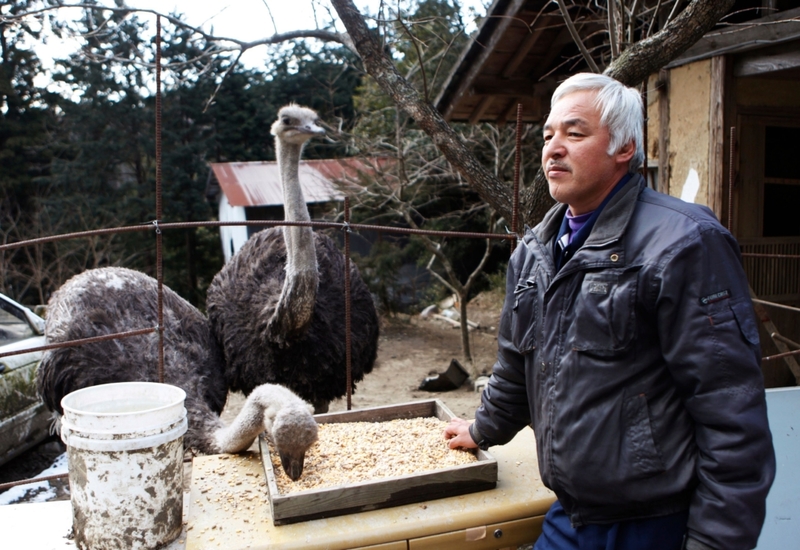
353, 452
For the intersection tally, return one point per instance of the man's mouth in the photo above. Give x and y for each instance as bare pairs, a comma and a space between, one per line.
557, 168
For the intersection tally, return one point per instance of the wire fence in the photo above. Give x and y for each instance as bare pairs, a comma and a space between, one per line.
158, 227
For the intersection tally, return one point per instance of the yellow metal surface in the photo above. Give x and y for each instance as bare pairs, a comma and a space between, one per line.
229, 508
402, 545
498, 535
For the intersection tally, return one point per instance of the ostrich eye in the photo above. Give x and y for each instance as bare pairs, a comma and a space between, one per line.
286, 120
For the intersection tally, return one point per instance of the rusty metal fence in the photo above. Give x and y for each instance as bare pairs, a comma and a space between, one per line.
158, 227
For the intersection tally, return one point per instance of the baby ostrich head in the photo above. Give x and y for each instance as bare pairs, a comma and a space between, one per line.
294, 430
296, 125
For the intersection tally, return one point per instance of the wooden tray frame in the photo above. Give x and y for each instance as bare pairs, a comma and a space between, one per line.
380, 493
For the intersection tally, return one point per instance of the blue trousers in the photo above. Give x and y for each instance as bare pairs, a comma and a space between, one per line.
661, 533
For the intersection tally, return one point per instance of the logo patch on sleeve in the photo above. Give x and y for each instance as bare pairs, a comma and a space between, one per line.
716, 297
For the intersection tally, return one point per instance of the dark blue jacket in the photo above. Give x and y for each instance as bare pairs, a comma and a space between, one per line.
638, 366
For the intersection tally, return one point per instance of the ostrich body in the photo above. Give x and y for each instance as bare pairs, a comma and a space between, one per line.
112, 300
277, 307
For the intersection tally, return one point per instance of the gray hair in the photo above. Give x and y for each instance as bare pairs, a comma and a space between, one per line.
620, 111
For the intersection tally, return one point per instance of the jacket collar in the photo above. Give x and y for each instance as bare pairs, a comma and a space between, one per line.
612, 221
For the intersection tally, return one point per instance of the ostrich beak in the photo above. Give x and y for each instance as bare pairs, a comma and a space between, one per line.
313, 130
292, 465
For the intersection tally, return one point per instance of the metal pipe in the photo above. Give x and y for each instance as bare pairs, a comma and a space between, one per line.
730, 178
10, 484
267, 223
347, 336
758, 255
773, 304
159, 208
82, 341
517, 165
785, 340
781, 355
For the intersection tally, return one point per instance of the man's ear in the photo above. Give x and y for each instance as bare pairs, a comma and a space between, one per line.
625, 153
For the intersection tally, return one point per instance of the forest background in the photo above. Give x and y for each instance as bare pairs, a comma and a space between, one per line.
79, 154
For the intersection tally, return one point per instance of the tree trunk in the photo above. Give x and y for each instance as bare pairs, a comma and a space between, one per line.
646, 57
462, 310
631, 68
535, 201
378, 65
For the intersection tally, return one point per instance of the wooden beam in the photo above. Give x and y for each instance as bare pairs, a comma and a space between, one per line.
522, 52
772, 330
772, 29
530, 113
505, 88
488, 48
514, 86
716, 146
480, 109
554, 51
779, 59
663, 133
508, 112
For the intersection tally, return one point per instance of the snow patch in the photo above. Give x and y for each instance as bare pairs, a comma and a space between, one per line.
40, 491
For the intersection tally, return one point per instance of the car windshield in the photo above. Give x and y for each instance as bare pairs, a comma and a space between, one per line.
13, 326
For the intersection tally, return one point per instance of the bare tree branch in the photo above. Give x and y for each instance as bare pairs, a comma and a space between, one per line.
612, 30
415, 41
329, 36
647, 56
652, 20
380, 67
577, 37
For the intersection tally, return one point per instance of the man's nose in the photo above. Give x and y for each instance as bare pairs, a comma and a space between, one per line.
555, 147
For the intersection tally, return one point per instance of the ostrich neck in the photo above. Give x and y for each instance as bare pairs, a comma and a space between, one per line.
298, 296
293, 201
300, 253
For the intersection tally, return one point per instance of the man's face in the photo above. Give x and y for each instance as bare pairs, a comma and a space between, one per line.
579, 170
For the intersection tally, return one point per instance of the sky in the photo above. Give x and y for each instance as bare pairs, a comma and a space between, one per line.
254, 19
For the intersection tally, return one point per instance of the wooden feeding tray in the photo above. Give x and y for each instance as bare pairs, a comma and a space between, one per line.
339, 500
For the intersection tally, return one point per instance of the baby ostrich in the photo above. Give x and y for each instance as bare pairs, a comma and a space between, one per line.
111, 300
277, 308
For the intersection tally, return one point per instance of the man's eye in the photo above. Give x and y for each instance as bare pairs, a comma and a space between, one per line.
575, 134
547, 138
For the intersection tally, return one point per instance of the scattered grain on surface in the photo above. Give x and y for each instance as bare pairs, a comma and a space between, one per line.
353, 452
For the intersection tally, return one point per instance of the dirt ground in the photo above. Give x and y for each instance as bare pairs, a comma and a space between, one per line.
410, 349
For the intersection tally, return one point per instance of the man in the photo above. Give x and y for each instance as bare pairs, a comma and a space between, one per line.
628, 342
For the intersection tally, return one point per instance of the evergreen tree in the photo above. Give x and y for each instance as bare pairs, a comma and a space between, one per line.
26, 120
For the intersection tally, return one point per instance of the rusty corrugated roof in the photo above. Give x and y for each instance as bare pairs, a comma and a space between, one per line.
259, 183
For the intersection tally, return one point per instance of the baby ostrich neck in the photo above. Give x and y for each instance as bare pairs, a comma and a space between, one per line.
296, 303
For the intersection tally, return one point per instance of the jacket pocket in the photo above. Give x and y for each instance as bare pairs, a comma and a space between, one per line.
604, 321
524, 314
645, 459
745, 318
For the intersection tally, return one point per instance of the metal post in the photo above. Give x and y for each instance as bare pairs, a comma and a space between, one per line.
517, 163
159, 259
348, 341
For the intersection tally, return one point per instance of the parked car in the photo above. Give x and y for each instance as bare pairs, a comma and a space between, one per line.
24, 420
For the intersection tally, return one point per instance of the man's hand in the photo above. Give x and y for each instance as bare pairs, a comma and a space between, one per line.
457, 434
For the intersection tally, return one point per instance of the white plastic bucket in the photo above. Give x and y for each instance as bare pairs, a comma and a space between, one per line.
125, 455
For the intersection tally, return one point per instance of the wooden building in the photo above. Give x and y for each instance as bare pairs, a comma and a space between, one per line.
723, 125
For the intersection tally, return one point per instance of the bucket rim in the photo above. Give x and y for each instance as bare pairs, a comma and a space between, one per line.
180, 397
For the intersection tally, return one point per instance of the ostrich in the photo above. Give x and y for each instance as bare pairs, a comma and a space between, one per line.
111, 300
277, 307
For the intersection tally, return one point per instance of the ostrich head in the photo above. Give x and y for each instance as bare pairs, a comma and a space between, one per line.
294, 430
296, 124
